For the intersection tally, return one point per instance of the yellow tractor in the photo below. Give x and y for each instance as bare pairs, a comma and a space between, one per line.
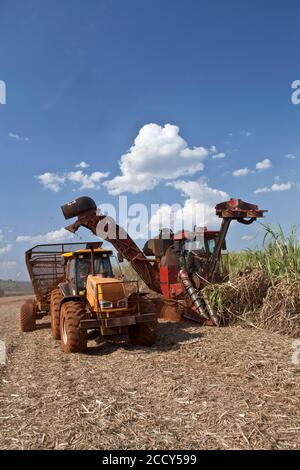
95, 297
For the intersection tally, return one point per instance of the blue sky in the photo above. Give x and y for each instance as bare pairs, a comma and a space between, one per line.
83, 78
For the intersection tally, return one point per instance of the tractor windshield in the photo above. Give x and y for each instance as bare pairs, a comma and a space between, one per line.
103, 265
84, 268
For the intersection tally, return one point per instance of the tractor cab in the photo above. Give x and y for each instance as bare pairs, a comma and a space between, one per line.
82, 263
90, 275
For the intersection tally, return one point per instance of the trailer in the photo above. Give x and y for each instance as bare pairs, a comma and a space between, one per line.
46, 270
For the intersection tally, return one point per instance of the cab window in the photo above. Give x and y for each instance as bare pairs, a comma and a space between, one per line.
211, 244
103, 264
196, 245
71, 272
83, 270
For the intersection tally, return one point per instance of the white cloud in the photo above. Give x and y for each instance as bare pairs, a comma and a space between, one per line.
6, 249
198, 208
290, 156
82, 165
55, 236
55, 182
91, 181
12, 135
1, 234
274, 188
247, 238
241, 172
199, 191
159, 153
51, 181
264, 164
245, 133
219, 155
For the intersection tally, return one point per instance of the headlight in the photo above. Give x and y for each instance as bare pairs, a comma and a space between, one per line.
123, 303
105, 304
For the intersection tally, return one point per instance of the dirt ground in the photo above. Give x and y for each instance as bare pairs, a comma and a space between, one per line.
198, 388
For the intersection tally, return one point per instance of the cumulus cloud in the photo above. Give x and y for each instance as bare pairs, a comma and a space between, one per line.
6, 249
219, 156
198, 208
199, 191
51, 181
84, 181
159, 153
55, 182
54, 236
82, 165
274, 188
260, 166
241, 172
264, 164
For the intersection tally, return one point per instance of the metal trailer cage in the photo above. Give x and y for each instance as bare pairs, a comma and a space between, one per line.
45, 267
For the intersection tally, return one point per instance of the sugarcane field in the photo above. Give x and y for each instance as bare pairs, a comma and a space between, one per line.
149, 234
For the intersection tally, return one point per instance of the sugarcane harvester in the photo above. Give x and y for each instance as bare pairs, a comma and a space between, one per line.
174, 265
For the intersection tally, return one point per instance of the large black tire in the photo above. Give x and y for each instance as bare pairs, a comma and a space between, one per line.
73, 339
28, 317
144, 334
55, 300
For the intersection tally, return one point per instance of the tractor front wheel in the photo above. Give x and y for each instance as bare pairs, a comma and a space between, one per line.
28, 317
55, 300
73, 339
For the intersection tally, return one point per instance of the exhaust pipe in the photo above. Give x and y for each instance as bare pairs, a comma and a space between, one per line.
78, 207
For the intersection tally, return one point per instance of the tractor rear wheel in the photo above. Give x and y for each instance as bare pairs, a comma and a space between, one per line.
55, 300
28, 317
144, 334
73, 339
